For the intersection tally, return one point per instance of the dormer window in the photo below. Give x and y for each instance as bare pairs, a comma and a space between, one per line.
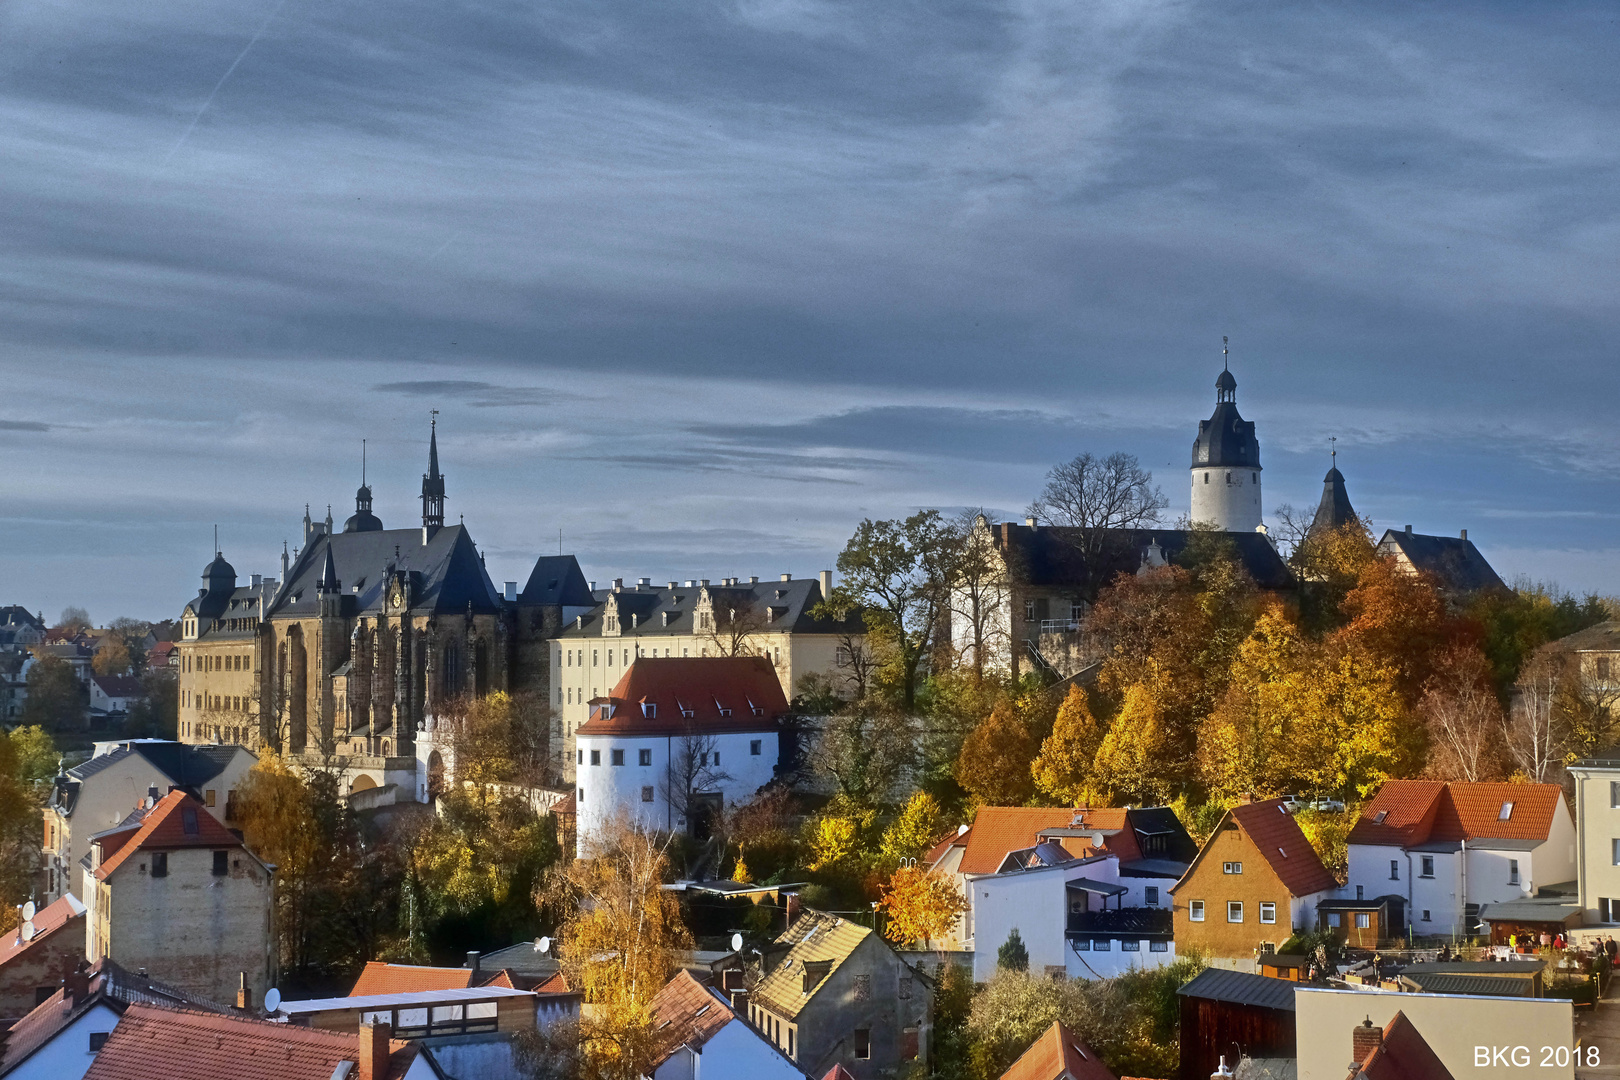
1507, 812
1378, 818
666, 618
686, 710
649, 710
723, 710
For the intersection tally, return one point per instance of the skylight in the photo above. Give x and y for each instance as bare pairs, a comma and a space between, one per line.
1378, 818
1507, 812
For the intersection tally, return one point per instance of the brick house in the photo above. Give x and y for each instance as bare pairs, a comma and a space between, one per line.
1255, 882
32, 960
176, 893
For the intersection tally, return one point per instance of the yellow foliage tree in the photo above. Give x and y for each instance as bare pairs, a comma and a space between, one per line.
279, 826
1133, 760
994, 763
920, 906
1064, 768
914, 829
112, 658
833, 841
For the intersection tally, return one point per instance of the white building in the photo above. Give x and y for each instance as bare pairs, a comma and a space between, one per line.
1226, 466
677, 741
701, 1037
1450, 848
114, 693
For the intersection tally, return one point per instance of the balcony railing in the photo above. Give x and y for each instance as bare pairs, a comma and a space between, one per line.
1059, 626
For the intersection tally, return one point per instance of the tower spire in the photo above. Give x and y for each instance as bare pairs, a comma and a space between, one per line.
432, 481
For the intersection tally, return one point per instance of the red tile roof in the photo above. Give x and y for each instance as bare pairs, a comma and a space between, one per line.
1058, 1055
46, 922
1276, 837
1404, 1055
838, 1072
177, 821
180, 1044
746, 686
1425, 811
1000, 829
954, 838
686, 1013
380, 977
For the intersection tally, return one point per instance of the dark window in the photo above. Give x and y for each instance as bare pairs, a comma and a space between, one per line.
616, 756
1151, 895
644, 757
646, 793
1394, 870
753, 747
908, 1044
596, 757
188, 821
222, 863
98, 1039
863, 988
863, 1043
1427, 866
160, 864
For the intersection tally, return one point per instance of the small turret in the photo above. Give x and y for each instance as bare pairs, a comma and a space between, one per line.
432, 482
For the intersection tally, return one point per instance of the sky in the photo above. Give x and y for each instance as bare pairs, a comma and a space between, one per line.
700, 285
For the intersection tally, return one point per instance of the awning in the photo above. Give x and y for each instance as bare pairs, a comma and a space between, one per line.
1101, 887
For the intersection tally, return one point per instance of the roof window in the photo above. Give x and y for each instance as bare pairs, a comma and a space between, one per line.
649, 710
1378, 818
1507, 812
723, 710
188, 821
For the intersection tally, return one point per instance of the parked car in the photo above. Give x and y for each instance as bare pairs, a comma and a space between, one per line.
1296, 803
1327, 804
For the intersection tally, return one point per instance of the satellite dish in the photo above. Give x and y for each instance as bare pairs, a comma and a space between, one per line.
28, 931
542, 945
736, 943
28, 911
272, 999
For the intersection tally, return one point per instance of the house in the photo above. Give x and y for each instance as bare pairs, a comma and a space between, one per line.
778, 620
150, 1042
840, 995
1058, 1055
1225, 1014
19, 628
1254, 883
677, 741
176, 893
1292, 968
554, 999
1452, 562
163, 656
61, 1036
699, 1035
100, 793
453, 1013
35, 952
1362, 924
1060, 906
1150, 844
1450, 848
1481, 1038
114, 694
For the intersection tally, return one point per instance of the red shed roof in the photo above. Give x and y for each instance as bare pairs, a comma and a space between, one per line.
686, 1013
1000, 829
380, 977
177, 821
674, 695
1058, 1055
1428, 811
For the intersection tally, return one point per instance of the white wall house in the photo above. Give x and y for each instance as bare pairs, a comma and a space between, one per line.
703, 1039
1447, 849
678, 740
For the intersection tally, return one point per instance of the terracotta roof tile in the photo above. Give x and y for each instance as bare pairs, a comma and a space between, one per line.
1424, 811
1404, 1055
179, 1044
177, 821
838, 1072
686, 1013
46, 922
1276, 837
1058, 1055
702, 685
1000, 829
954, 838
380, 977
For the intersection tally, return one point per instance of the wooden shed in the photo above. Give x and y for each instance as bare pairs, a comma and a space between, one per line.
1233, 1013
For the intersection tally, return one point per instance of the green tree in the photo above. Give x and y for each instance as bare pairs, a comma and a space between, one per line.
55, 700
864, 750
900, 572
37, 756
1012, 956
21, 800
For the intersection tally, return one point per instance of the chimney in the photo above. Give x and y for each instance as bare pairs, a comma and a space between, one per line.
1409, 530
690, 583
256, 580
674, 585
1030, 522
511, 592
618, 584
753, 579
374, 1051
1364, 1039
645, 582
792, 907
472, 961
787, 577
1465, 534
77, 984
244, 996
704, 582
1221, 1071
826, 583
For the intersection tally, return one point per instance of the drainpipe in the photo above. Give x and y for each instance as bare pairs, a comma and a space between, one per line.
1467, 928
1409, 897
1580, 843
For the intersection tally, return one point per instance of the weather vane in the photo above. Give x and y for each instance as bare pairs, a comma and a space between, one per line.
1224, 365
1333, 441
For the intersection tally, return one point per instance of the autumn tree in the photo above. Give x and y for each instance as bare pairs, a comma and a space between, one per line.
22, 797
1136, 759
1535, 730
1397, 619
921, 905
55, 701
73, 620
1462, 717
112, 657
864, 751
1098, 500
899, 572
914, 829
620, 941
994, 765
1329, 563
276, 811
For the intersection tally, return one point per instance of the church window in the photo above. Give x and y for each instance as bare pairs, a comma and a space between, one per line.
1254, 477
1206, 478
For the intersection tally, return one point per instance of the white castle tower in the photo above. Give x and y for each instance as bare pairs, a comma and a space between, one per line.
1226, 464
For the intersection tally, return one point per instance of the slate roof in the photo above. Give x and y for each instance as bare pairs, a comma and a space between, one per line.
1603, 637
1452, 560
1419, 812
446, 573
556, 581
180, 1044
186, 766
1047, 556
178, 821
46, 922
814, 936
118, 686
523, 958
1240, 988
1058, 1055
790, 602
745, 686
1226, 439
380, 977
1403, 1055
1276, 837
1334, 510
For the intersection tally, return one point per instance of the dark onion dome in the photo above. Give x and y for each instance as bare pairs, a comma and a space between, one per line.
363, 520
1226, 440
219, 574
1226, 383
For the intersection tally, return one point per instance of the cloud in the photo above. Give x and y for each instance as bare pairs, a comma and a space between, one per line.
24, 425
480, 395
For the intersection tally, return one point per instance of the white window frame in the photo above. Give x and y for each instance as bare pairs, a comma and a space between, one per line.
1268, 916
1231, 906
1195, 911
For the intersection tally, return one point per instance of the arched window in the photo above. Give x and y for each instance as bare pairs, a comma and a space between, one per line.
451, 681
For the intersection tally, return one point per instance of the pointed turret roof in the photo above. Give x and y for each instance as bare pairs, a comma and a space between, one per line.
329, 579
1334, 510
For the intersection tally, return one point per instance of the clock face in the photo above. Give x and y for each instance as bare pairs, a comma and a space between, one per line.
396, 595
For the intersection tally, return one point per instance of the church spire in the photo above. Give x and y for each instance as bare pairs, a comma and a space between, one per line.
432, 482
